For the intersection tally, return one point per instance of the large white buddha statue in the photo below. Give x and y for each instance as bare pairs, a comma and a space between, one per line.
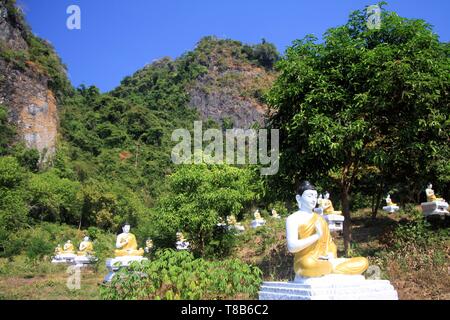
126, 244
309, 239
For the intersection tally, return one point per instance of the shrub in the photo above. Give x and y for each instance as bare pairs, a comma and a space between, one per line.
176, 275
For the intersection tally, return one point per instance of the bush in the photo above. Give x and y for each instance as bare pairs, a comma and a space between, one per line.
176, 275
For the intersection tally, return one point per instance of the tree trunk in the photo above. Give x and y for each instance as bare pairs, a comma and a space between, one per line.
347, 223
378, 200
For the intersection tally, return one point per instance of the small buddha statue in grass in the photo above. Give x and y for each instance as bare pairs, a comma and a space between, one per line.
431, 197
148, 245
258, 217
275, 214
389, 201
126, 244
86, 247
58, 250
327, 205
182, 243
309, 239
233, 224
68, 248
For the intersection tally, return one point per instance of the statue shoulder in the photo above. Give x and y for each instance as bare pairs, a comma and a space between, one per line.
299, 217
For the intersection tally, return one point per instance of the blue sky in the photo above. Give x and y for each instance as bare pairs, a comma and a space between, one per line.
118, 37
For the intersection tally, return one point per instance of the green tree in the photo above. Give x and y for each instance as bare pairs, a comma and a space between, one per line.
198, 196
13, 195
55, 199
362, 98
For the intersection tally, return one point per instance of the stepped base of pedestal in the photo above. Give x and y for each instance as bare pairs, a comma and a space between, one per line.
64, 258
435, 208
335, 222
391, 209
115, 264
333, 287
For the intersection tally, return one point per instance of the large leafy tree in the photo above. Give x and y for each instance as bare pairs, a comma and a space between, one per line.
363, 102
199, 195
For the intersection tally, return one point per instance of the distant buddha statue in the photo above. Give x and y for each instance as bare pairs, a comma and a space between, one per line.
231, 220
309, 239
275, 214
320, 201
431, 197
389, 201
86, 247
126, 244
148, 245
182, 243
58, 250
68, 247
327, 205
233, 224
257, 216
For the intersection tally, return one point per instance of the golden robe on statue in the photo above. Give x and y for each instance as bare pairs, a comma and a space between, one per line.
308, 262
129, 246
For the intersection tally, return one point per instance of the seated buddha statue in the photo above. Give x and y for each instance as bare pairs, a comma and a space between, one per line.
257, 216
231, 220
389, 201
327, 205
86, 248
148, 245
68, 248
275, 214
309, 239
58, 250
126, 244
431, 197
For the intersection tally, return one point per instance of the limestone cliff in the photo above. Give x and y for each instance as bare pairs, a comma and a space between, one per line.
26, 86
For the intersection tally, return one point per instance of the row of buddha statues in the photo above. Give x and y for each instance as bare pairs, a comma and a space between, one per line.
86, 248
435, 205
126, 246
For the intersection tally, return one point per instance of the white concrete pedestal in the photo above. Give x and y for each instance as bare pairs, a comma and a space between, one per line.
115, 264
391, 209
238, 228
182, 245
64, 258
330, 287
435, 208
257, 223
335, 222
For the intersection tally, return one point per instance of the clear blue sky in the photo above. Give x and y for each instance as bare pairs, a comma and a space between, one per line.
118, 37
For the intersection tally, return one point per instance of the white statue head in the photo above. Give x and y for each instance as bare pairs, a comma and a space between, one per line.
327, 195
306, 196
430, 186
126, 228
86, 239
68, 241
388, 196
